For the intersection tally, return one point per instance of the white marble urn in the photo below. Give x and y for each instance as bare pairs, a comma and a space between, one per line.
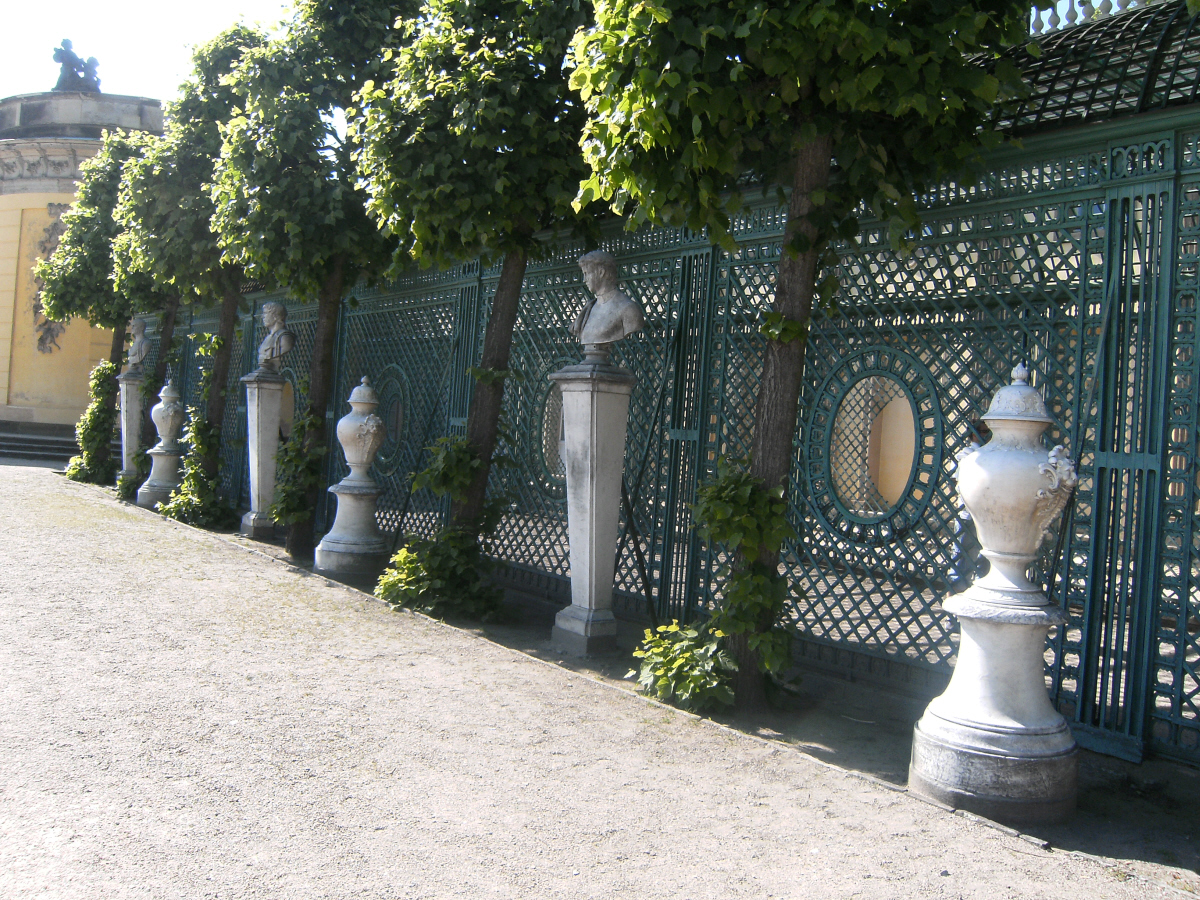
993, 743
361, 433
1013, 490
355, 551
167, 415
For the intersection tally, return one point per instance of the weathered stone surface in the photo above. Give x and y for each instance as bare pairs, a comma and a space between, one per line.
354, 550
165, 456
992, 743
595, 397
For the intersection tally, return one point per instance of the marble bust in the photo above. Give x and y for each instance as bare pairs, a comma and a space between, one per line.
611, 315
278, 342
139, 348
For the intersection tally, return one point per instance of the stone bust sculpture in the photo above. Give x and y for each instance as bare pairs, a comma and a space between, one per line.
139, 347
611, 315
278, 342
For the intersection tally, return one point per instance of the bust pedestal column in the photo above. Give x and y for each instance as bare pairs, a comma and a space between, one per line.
595, 409
355, 551
264, 403
992, 743
130, 386
167, 415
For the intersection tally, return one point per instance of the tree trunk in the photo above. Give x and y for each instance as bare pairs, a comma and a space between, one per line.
320, 374
773, 450
166, 333
116, 355
116, 352
215, 410
483, 417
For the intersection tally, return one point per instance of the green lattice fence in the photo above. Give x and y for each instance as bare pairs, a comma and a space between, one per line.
1077, 255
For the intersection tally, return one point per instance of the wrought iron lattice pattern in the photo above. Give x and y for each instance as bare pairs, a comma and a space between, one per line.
1080, 260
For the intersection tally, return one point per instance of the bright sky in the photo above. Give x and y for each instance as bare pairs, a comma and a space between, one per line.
142, 45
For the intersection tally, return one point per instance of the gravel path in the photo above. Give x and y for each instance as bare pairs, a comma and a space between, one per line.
180, 718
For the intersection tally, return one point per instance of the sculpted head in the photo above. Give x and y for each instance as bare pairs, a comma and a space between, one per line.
599, 270
138, 328
273, 313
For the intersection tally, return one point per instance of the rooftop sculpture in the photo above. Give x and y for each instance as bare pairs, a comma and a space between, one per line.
76, 75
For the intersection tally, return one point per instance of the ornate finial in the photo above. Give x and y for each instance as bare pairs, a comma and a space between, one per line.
364, 393
1020, 374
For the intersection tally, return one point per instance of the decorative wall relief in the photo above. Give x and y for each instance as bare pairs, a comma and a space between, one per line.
48, 332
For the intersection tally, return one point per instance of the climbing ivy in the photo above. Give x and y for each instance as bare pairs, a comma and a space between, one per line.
297, 472
95, 430
446, 575
197, 500
749, 521
692, 667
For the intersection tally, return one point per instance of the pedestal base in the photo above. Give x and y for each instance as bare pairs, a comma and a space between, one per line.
257, 525
573, 644
150, 495
1016, 790
582, 632
352, 564
354, 551
164, 478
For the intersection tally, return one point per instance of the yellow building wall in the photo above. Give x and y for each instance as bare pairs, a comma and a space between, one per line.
38, 386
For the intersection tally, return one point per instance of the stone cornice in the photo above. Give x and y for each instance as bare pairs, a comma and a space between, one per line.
43, 166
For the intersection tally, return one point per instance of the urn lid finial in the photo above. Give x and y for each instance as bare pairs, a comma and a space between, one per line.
1018, 401
364, 393
169, 391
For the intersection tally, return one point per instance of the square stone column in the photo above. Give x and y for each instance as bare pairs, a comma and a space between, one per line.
130, 386
264, 403
595, 409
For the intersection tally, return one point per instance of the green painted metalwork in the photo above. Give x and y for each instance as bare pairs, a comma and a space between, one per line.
1077, 253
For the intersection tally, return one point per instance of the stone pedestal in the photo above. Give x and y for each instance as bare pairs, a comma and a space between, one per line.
167, 415
355, 550
264, 402
992, 743
130, 386
595, 409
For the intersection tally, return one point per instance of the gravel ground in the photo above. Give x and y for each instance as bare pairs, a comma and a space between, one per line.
180, 718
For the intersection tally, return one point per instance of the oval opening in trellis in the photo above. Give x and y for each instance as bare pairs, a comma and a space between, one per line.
873, 446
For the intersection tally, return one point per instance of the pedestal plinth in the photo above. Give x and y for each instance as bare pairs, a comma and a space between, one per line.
595, 409
164, 478
130, 386
992, 743
264, 403
354, 550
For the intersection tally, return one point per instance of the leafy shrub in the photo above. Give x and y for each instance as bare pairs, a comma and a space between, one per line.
196, 501
686, 666
446, 575
127, 485
96, 428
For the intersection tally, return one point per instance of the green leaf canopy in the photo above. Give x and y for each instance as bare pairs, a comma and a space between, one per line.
164, 204
688, 99
77, 278
472, 143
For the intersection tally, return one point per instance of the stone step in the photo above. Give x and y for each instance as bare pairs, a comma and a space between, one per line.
53, 443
